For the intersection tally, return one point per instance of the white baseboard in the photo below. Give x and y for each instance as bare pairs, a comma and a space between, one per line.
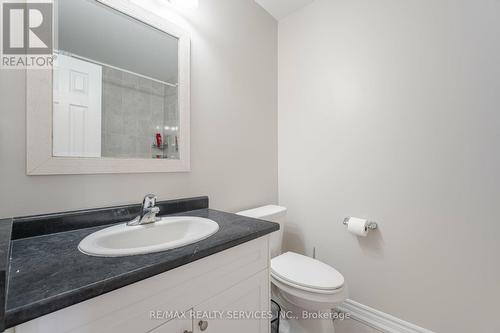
378, 320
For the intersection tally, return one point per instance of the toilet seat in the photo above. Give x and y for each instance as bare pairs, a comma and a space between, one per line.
298, 287
307, 274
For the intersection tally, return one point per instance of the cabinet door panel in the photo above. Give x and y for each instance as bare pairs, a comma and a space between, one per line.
249, 298
175, 326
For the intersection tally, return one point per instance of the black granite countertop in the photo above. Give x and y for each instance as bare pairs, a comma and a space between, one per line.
5, 236
48, 272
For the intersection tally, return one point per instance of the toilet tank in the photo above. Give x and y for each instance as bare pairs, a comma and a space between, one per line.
274, 214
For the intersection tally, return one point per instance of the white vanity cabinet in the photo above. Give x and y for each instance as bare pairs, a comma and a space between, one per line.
233, 284
239, 301
246, 298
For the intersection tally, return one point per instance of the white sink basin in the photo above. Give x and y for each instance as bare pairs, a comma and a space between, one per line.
166, 234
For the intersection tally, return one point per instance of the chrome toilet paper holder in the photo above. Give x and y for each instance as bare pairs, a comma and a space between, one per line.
370, 225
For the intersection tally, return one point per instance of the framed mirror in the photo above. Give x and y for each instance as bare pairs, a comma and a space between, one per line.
117, 98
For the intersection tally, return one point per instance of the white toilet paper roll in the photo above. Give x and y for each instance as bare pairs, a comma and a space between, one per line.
358, 227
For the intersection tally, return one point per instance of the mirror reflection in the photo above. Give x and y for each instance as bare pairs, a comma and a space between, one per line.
115, 90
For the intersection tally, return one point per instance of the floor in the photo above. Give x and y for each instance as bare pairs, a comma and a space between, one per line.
351, 326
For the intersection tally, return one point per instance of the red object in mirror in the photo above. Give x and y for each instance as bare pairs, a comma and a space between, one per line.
158, 140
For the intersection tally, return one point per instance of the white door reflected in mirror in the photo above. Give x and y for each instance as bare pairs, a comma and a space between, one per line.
77, 108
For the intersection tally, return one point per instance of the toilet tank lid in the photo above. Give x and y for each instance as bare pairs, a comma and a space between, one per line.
264, 212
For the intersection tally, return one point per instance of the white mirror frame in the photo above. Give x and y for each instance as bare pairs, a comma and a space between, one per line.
39, 99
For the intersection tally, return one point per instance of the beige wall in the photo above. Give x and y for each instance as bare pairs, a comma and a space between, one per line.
234, 122
390, 110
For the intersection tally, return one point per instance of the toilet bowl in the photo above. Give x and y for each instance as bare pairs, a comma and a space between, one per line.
308, 283
307, 289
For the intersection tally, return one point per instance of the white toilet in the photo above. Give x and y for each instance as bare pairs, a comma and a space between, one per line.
301, 283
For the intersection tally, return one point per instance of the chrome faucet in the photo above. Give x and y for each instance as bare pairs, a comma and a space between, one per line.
148, 212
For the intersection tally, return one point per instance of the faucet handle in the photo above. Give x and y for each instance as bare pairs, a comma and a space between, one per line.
149, 201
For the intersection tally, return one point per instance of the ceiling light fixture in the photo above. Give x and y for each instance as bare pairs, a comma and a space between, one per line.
187, 4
